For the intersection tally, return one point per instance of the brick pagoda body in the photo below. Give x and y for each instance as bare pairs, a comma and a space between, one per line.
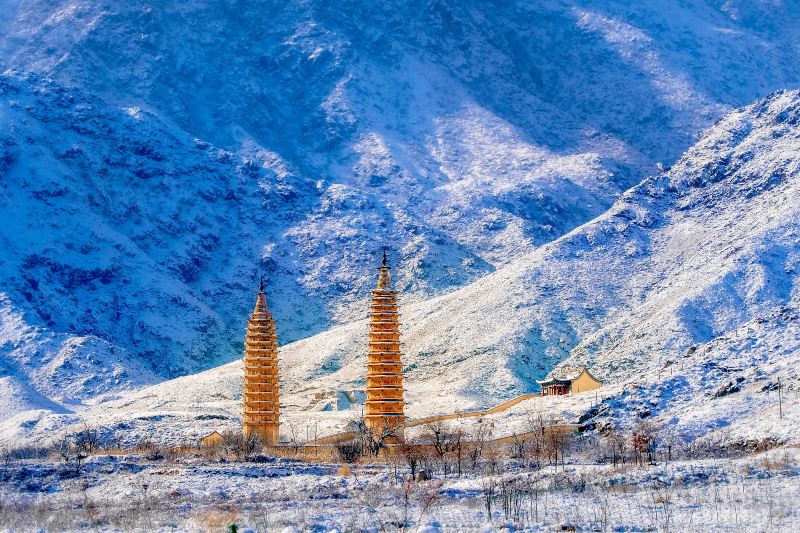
384, 404
261, 395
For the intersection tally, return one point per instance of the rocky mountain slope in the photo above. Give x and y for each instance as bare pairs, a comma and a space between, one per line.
675, 268
681, 259
155, 158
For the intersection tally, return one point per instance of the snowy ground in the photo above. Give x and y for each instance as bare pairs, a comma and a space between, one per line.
755, 493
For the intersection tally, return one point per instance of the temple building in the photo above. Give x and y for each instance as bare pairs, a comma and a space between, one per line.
215, 438
384, 404
261, 395
568, 381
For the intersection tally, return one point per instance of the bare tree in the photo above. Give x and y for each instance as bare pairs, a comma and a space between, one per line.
557, 441
71, 453
253, 443
374, 438
478, 439
457, 440
518, 447
349, 450
613, 444
668, 440
114, 440
241, 446
6, 456
536, 446
439, 437
295, 441
446, 443
87, 440
643, 442
413, 454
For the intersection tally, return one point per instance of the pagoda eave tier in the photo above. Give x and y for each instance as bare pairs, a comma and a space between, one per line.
384, 403
261, 387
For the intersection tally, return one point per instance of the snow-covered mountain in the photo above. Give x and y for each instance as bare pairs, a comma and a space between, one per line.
657, 290
155, 157
679, 260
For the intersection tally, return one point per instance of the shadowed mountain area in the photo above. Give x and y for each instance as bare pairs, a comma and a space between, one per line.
155, 159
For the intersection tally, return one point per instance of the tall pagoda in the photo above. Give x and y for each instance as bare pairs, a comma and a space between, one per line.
261, 393
384, 405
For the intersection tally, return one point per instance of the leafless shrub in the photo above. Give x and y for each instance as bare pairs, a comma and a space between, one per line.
32, 452
488, 486
217, 519
71, 454
413, 454
557, 441
349, 450
373, 439
512, 493
662, 508
478, 440
428, 497
241, 446
643, 442
87, 440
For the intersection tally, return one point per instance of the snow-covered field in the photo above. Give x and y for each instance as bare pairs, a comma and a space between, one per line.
753, 493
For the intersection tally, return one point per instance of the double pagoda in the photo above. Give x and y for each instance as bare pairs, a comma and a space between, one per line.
261, 395
384, 404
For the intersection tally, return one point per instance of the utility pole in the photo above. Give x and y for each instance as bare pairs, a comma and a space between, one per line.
780, 400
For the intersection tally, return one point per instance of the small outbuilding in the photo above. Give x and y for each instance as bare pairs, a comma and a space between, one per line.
212, 439
568, 381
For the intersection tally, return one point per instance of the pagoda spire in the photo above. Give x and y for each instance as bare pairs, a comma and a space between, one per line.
261, 398
384, 277
385, 405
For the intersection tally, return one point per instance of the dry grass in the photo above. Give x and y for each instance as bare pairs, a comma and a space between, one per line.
216, 519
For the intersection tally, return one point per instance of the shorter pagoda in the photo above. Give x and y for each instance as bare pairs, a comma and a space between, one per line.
384, 405
261, 395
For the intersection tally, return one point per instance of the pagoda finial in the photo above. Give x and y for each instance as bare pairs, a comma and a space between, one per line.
384, 278
261, 285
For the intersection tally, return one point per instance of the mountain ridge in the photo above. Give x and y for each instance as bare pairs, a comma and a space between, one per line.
462, 137
682, 259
